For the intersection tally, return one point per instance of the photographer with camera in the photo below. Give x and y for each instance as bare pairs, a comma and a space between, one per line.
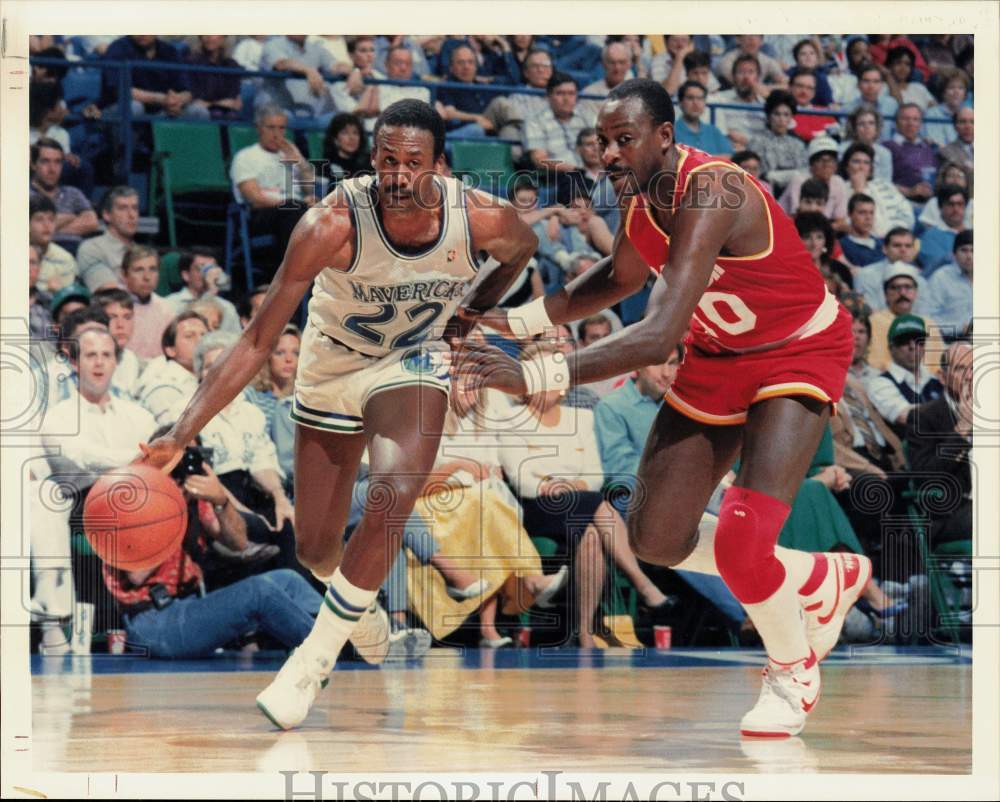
167, 609
235, 547
246, 460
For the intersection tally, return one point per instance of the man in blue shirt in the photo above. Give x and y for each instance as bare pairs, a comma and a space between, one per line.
689, 128
951, 289
860, 247
622, 421
936, 243
154, 90
463, 109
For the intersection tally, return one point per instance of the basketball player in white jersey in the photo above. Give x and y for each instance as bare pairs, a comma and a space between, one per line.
390, 260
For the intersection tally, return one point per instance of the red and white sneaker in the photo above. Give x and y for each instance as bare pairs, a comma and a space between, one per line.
787, 696
826, 612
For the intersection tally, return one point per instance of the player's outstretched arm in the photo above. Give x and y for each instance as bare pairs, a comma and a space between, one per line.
498, 230
700, 233
317, 239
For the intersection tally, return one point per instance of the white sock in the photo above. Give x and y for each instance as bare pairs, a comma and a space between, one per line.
798, 564
784, 643
343, 605
781, 624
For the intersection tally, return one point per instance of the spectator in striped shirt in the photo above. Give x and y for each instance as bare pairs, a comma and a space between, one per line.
550, 139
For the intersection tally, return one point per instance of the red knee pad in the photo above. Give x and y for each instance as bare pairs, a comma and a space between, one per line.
749, 525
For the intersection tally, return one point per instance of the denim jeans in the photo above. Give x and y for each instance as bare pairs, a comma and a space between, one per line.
280, 603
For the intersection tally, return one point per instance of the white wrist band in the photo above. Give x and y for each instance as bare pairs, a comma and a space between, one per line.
545, 373
532, 317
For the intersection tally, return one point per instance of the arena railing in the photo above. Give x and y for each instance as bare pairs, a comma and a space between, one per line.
125, 119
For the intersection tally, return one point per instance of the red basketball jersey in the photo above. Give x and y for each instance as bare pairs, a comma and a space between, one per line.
752, 303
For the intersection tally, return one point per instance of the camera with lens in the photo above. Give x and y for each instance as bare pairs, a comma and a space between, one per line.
193, 462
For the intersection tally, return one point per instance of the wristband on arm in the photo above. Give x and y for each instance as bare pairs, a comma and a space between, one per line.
532, 316
546, 372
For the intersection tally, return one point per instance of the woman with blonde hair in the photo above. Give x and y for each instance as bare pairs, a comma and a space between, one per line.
272, 390
469, 525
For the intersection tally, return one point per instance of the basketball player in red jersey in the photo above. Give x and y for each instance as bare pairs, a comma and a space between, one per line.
767, 355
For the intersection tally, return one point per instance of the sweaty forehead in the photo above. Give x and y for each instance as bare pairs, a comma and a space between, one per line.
617, 115
405, 139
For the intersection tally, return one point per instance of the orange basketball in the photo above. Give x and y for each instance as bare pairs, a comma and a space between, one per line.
135, 517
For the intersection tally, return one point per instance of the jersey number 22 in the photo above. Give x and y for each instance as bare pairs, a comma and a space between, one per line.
367, 326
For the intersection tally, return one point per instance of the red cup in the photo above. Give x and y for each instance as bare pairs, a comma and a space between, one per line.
524, 637
662, 636
116, 641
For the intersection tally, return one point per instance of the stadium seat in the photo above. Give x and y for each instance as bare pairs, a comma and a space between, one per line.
490, 164
315, 143
187, 159
170, 274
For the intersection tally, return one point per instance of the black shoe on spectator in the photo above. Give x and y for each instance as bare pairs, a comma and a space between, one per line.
665, 612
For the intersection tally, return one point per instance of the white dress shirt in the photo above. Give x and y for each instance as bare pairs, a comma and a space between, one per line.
107, 438
886, 396
531, 452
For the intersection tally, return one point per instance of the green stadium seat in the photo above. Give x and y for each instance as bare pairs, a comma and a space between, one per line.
187, 160
170, 274
315, 141
489, 164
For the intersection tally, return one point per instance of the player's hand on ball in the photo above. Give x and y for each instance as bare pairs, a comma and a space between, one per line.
484, 365
163, 453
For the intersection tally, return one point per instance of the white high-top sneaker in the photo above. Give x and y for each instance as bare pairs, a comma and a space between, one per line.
286, 701
825, 616
787, 696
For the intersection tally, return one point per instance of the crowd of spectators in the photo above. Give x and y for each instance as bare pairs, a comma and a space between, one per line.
867, 141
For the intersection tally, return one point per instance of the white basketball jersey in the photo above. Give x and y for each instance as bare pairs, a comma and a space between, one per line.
388, 299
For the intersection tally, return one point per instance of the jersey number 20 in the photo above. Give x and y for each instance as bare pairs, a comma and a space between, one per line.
366, 326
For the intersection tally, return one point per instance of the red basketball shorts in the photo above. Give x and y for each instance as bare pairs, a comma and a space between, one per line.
718, 389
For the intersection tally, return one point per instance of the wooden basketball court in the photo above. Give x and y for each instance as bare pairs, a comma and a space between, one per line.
516, 710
